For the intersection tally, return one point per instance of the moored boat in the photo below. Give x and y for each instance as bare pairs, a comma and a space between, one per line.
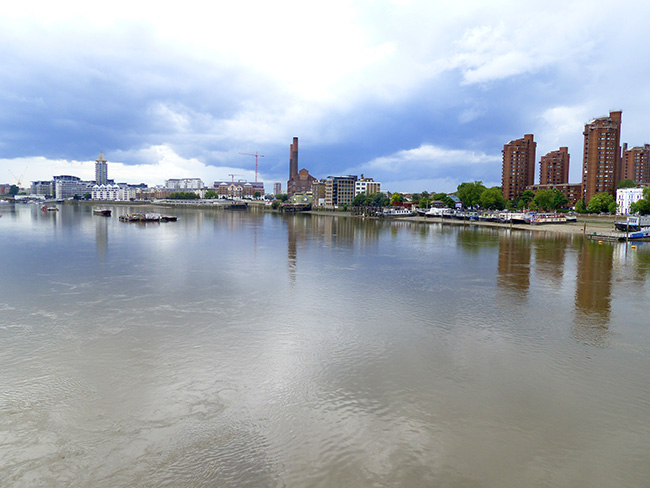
106, 212
547, 218
643, 234
396, 212
435, 212
633, 223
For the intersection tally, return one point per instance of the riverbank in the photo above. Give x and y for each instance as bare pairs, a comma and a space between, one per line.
585, 224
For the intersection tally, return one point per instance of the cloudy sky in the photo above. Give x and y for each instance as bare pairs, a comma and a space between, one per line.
420, 95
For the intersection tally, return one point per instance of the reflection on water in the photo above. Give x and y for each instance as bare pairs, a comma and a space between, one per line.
254, 349
593, 293
514, 262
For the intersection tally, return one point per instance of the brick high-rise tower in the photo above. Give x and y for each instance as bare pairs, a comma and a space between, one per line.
554, 167
601, 161
518, 169
636, 164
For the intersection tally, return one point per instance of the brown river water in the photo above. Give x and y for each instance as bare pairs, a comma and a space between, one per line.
251, 349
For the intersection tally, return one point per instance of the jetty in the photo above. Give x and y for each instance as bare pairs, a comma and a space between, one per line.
146, 217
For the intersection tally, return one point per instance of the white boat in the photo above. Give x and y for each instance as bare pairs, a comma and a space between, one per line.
396, 212
547, 218
435, 212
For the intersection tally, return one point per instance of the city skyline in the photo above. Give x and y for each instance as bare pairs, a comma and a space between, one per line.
419, 95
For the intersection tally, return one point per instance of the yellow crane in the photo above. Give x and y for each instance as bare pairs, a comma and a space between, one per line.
18, 178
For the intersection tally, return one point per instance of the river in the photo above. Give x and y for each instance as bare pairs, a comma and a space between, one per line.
252, 349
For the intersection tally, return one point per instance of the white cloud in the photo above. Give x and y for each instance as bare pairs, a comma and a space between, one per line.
428, 157
216, 79
430, 168
161, 163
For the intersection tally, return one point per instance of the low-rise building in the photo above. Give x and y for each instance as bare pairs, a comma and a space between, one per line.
122, 193
44, 188
318, 193
238, 189
303, 198
182, 184
339, 190
66, 186
366, 186
625, 197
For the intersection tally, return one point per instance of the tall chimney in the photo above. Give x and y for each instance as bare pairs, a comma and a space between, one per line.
293, 159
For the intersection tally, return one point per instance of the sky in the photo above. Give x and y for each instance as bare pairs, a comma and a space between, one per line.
419, 95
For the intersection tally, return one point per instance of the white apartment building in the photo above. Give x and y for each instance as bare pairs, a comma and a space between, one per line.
66, 186
113, 192
367, 186
626, 197
184, 184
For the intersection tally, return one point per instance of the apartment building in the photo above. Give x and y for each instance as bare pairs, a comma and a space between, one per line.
518, 169
636, 164
601, 163
554, 167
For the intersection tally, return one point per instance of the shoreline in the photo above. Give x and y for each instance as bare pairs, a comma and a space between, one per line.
585, 225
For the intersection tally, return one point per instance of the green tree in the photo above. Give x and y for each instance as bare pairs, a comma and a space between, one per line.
13, 190
211, 194
580, 206
443, 197
184, 195
256, 195
360, 200
396, 198
544, 199
612, 207
559, 200
283, 197
626, 184
601, 202
87, 196
492, 198
525, 199
424, 202
416, 197
378, 200
642, 206
470, 193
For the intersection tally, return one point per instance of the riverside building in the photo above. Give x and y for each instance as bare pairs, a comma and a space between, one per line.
626, 197
101, 170
339, 190
636, 164
184, 184
554, 167
367, 186
601, 162
518, 169
299, 181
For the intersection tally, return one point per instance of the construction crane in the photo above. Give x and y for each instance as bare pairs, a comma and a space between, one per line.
256, 156
233, 176
18, 178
